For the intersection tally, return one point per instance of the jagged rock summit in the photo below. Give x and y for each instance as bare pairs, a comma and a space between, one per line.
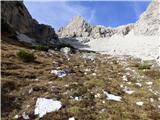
78, 27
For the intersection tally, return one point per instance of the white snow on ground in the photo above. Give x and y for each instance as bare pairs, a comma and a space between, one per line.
144, 47
44, 106
112, 97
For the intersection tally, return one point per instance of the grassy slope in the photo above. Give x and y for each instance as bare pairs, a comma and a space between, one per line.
19, 77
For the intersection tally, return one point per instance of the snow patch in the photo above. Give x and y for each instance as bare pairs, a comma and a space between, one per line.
144, 47
44, 106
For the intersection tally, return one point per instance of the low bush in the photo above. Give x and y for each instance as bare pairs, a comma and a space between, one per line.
144, 66
25, 56
42, 47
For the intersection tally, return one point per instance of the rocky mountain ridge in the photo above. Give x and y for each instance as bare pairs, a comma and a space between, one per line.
78, 27
148, 24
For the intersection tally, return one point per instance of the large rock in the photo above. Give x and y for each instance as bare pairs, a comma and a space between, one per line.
16, 14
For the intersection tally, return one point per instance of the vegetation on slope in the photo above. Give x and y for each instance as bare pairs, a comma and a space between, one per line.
23, 83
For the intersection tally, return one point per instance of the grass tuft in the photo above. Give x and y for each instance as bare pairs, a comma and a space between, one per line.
42, 47
25, 56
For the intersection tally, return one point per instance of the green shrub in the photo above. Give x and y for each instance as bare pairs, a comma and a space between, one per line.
42, 47
144, 66
25, 56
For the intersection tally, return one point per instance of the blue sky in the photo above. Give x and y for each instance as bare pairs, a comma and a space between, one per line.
107, 13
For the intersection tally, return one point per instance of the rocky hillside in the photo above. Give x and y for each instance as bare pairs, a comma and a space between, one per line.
18, 17
148, 24
149, 21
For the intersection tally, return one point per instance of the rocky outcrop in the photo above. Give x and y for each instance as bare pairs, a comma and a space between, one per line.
149, 21
16, 14
100, 31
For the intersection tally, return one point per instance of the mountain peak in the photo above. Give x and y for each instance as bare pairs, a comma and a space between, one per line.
77, 18
77, 27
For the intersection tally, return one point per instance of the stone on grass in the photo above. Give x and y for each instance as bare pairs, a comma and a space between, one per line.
25, 116
72, 118
66, 51
140, 103
59, 73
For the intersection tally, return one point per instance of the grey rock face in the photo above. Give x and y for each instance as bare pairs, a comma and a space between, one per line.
149, 21
16, 14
